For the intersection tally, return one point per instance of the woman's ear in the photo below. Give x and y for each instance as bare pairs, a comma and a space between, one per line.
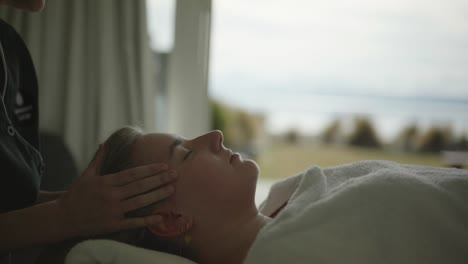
171, 225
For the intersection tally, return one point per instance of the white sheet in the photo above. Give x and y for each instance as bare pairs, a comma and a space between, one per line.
367, 212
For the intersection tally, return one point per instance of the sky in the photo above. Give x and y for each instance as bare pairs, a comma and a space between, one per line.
401, 47
269, 48
160, 17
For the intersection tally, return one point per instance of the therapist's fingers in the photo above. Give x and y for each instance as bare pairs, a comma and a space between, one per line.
146, 184
134, 174
135, 222
147, 198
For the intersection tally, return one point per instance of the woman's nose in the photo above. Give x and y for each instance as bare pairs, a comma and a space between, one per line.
217, 139
218, 136
213, 140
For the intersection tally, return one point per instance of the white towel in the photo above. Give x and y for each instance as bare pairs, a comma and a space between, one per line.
101, 251
368, 212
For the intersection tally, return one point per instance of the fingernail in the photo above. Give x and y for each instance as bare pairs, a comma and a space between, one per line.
162, 166
173, 174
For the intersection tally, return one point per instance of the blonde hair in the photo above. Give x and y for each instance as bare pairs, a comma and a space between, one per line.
118, 149
118, 157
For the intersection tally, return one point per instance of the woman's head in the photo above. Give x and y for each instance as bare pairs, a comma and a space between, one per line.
214, 185
211, 179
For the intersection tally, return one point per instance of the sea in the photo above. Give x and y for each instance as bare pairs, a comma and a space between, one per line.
311, 113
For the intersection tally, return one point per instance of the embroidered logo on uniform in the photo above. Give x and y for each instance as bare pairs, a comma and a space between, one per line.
22, 112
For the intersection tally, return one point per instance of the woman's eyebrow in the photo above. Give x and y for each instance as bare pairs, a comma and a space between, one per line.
173, 145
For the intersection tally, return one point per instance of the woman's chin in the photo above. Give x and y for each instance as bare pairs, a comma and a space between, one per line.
253, 167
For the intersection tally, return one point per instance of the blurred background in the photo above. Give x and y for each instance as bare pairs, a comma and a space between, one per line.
300, 83
296, 83
291, 83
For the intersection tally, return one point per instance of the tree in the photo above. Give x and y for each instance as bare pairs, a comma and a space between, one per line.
246, 124
331, 133
221, 117
364, 134
218, 116
409, 137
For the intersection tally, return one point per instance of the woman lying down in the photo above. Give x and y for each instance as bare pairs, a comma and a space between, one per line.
364, 212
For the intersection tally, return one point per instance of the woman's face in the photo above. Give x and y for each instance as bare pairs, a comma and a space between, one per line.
211, 180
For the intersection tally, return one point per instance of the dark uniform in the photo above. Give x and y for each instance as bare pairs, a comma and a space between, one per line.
21, 163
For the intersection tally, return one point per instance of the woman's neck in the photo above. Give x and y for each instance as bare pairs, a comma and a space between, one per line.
229, 242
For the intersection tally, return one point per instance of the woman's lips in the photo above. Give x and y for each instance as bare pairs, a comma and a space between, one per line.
233, 157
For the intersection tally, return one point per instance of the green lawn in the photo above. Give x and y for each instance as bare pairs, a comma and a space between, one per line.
283, 160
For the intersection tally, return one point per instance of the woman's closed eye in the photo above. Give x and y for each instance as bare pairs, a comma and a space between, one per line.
187, 155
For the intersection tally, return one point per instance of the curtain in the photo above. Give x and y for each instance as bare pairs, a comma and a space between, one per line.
95, 68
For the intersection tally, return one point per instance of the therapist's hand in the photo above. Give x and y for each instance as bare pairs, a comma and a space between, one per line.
96, 204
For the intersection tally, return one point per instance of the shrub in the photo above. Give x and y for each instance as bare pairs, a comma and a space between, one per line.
240, 127
292, 136
332, 132
461, 144
436, 139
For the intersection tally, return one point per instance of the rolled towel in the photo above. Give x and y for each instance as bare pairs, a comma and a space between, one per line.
102, 251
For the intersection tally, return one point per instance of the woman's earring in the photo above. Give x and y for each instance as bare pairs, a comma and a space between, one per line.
183, 245
187, 238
